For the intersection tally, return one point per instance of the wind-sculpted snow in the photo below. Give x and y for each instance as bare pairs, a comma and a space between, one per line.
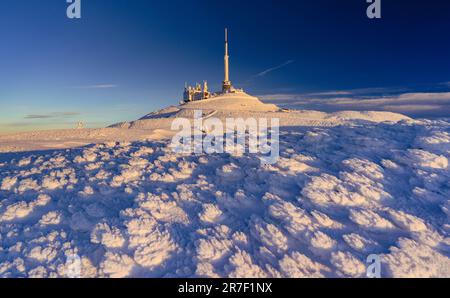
335, 196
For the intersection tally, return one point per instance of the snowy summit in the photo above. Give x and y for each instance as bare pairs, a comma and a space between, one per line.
119, 202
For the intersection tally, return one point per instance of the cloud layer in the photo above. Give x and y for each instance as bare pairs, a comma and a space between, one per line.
51, 115
98, 86
415, 104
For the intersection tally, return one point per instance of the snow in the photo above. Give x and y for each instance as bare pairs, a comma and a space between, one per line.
211, 214
116, 265
411, 259
22, 209
244, 266
347, 264
347, 185
359, 243
51, 218
368, 219
407, 222
297, 265
107, 236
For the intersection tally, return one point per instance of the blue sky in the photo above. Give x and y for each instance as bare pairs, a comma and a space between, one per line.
125, 58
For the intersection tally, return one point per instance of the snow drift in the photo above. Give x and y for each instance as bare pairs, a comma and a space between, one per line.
339, 193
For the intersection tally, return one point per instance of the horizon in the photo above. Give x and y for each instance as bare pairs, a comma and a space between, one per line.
122, 60
318, 148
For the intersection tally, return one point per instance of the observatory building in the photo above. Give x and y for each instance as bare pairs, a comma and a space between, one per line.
196, 93
199, 93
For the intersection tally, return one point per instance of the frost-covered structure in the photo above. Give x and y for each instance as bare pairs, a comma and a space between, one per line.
198, 93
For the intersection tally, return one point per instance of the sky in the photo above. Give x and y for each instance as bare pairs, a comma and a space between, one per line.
124, 59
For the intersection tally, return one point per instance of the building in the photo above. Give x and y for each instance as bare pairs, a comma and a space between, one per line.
196, 93
199, 93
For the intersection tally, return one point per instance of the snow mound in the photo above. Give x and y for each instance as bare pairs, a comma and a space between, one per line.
232, 101
369, 116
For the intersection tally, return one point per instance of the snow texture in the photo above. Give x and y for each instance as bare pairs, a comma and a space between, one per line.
137, 209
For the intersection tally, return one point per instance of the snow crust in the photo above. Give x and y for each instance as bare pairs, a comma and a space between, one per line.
337, 195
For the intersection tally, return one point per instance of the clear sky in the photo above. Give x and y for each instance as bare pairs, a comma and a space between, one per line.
126, 58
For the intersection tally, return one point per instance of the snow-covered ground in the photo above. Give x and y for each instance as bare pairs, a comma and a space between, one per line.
347, 185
